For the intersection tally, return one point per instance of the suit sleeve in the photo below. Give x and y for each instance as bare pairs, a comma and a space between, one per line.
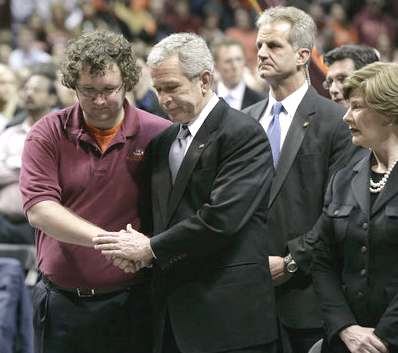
326, 275
387, 327
240, 187
339, 155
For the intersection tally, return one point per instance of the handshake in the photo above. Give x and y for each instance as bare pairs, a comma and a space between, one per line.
128, 249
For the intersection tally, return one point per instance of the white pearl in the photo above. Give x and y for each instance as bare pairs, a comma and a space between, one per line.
374, 188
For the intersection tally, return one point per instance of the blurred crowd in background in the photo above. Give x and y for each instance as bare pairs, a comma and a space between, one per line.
34, 31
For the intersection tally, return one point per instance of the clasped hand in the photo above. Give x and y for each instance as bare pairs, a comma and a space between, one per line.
359, 339
128, 249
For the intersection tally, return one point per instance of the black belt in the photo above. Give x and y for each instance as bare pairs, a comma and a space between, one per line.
86, 292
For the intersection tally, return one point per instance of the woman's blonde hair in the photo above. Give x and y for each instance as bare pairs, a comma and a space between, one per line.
378, 86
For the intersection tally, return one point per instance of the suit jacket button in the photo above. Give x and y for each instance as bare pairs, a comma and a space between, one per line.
359, 294
363, 272
365, 226
364, 249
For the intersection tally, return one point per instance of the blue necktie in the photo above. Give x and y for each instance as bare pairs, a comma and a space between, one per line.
274, 132
177, 151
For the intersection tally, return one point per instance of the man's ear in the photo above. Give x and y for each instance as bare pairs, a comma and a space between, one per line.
303, 56
206, 80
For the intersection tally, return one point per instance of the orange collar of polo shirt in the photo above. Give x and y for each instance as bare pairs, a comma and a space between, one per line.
103, 137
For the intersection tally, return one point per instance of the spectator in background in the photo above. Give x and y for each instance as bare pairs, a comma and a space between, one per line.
210, 30
180, 19
56, 30
158, 9
9, 99
82, 175
341, 30
140, 22
27, 53
308, 139
244, 31
47, 70
230, 64
342, 62
38, 98
90, 17
376, 28
143, 95
38, 26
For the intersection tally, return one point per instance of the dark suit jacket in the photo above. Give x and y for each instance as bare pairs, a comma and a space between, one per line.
210, 272
355, 262
251, 97
313, 149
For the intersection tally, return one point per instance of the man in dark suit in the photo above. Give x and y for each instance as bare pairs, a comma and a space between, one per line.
230, 64
308, 139
212, 290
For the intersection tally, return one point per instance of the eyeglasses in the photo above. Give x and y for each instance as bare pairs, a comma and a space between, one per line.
93, 93
338, 80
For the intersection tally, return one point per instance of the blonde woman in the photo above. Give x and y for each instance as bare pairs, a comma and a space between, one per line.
355, 261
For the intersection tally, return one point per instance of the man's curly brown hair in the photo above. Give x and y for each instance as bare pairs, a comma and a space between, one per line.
97, 50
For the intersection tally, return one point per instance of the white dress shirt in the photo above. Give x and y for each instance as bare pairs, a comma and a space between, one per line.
195, 124
234, 96
290, 105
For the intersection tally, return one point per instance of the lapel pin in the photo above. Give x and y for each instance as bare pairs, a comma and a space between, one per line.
306, 124
201, 146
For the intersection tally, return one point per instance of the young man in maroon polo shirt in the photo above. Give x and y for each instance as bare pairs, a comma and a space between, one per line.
81, 175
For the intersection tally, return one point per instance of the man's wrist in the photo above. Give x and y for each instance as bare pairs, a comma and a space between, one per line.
290, 266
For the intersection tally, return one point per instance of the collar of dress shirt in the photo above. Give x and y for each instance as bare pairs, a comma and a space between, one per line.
236, 92
290, 105
291, 102
195, 125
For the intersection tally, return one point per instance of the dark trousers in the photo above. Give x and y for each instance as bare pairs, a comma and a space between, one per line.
298, 340
109, 323
170, 345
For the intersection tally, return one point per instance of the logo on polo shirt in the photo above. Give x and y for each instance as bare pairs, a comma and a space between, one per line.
137, 155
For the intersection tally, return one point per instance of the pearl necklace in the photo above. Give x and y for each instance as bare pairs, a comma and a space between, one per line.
374, 188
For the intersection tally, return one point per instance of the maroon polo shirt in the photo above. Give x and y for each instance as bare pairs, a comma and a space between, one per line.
61, 162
